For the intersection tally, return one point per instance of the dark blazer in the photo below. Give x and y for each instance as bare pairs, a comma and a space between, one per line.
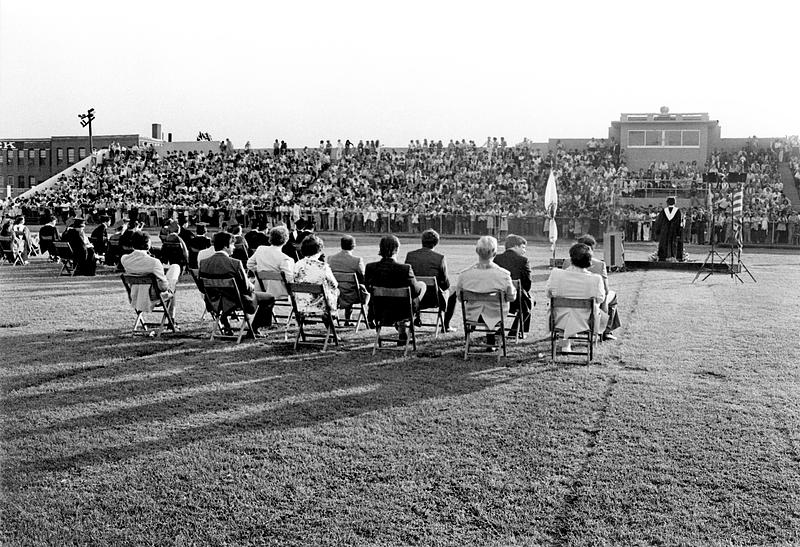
48, 231
221, 266
428, 263
255, 239
390, 273
519, 267
84, 256
99, 239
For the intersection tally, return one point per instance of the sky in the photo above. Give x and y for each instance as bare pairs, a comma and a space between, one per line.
302, 71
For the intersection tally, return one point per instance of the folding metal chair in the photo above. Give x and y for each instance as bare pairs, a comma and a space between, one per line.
517, 317
557, 332
282, 311
306, 318
494, 297
195, 275
217, 291
148, 283
430, 306
348, 282
398, 300
46, 245
36, 249
66, 256
10, 253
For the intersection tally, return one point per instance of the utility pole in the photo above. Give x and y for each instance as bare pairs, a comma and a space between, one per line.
86, 119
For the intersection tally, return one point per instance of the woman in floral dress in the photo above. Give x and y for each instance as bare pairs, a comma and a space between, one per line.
312, 269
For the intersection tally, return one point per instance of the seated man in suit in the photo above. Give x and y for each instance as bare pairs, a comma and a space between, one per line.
391, 274
486, 276
257, 237
345, 262
515, 261
220, 265
114, 250
576, 281
174, 249
240, 249
271, 258
609, 305
82, 249
141, 262
197, 244
99, 237
428, 263
48, 234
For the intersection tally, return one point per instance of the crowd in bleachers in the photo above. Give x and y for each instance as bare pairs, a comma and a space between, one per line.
374, 188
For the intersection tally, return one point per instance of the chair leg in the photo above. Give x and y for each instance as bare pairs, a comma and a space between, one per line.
466, 342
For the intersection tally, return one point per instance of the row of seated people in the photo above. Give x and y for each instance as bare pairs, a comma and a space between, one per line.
314, 267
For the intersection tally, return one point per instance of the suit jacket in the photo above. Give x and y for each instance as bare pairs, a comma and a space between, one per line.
221, 266
577, 283
255, 239
479, 278
75, 239
270, 258
99, 239
519, 266
389, 273
428, 263
139, 262
48, 231
345, 262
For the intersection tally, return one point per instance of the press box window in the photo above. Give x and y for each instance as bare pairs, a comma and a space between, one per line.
673, 138
691, 138
653, 138
635, 138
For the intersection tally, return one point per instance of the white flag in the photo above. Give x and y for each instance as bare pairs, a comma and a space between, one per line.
551, 206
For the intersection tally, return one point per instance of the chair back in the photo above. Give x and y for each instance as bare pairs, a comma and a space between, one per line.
222, 294
349, 287
573, 303
431, 297
314, 289
493, 296
6, 243
64, 250
394, 303
135, 285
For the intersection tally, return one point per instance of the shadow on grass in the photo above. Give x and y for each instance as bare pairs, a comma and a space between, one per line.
183, 391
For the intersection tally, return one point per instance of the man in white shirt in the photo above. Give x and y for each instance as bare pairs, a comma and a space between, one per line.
271, 258
140, 262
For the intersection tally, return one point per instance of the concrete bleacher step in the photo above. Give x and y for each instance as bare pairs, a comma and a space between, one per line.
789, 186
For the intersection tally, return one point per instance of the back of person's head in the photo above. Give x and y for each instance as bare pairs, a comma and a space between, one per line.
278, 236
235, 229
104, 218
300, 224
513, 240
486, 248
388, 246
580, 255
348, 243
19, 220
311, 245
430, 239
140, 241
262, 226
201, 230
48, 219
670, 201
222, 240
588, 239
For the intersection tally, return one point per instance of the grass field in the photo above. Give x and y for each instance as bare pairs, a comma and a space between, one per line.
686, 431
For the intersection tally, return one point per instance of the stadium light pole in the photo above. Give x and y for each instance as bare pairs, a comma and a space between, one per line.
86, 119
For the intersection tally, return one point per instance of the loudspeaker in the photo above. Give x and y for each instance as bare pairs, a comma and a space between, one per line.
613, 251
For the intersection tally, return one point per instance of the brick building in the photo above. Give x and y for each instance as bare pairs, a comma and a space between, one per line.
24, 163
